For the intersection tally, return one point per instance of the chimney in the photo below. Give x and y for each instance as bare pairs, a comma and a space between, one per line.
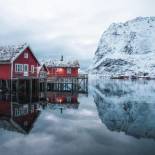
62, 58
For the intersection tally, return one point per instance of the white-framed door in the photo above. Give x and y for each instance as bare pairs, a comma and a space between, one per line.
26, 70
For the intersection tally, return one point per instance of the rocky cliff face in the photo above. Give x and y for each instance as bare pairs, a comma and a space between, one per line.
127, 49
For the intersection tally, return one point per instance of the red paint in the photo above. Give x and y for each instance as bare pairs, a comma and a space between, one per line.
62, 98
5, 108
30, 61
5, 71
62, 72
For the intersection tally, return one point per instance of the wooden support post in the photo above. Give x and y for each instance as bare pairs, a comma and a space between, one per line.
17, 85
30, 90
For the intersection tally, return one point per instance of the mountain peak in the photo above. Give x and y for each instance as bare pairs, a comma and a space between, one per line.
127, 48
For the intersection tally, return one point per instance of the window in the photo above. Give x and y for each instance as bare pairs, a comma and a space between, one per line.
69, 99
18, 67
26, 67
26, 55
69, 70
32, 68
16, 112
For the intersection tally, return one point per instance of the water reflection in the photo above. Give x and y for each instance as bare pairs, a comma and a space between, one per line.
62, 100
19, 111
127, 106
17, 116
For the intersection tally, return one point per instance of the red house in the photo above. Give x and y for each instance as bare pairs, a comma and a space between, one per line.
63, 68
18, 62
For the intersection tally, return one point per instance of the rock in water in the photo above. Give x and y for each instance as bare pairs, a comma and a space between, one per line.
127, 49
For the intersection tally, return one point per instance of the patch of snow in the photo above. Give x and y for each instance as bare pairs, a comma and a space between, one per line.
7, 53
58, 63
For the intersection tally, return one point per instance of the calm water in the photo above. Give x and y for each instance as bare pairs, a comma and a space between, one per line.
117, 117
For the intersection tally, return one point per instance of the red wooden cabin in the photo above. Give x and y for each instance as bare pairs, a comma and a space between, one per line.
18, 62
63, 68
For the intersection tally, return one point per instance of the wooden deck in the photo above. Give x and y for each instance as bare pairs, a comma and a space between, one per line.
68, 83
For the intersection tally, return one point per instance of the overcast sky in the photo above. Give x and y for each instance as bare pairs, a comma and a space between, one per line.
69, 27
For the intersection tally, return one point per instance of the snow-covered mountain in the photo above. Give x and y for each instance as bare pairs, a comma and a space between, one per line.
127, 48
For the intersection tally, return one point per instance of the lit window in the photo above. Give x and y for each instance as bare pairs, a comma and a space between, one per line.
69, 70
18, 67
26, 55
32, 68
59, 70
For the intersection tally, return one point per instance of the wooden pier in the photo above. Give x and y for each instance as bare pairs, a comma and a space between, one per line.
31, 86
68, 84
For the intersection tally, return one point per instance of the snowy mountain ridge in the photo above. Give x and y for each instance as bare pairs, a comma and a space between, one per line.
127, 49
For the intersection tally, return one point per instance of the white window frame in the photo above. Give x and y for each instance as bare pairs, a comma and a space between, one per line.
32, 68
19, 68
26, 55
69, 70
27, 66
26, 72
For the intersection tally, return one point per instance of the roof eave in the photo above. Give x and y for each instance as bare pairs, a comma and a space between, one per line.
5, 62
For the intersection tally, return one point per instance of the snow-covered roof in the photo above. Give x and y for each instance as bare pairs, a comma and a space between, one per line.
59, 63
40, 67
9, 53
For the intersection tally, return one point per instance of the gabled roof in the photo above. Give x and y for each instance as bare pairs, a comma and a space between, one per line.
9, 53
59, 63
42, 66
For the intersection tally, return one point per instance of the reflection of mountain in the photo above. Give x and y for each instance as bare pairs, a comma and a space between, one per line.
63, 100
127, 106
17, 117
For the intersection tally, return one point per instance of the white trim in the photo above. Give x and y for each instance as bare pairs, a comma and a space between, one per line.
69, 70
26, 55
32, 68
17, 66
26, 73
11, 72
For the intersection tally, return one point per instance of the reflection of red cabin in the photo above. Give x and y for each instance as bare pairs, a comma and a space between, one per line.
17, 62
5, 108
62, 68
18, 117
62, 98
